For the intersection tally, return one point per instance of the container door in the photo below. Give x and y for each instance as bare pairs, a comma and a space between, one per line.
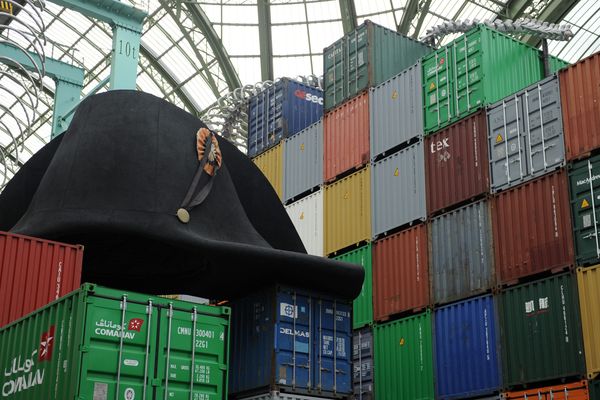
333, 341
468, 94
335, 67
585, 200
191, 366
118, 352
507, 143
293, 341
357, 50
544, 127
438, 89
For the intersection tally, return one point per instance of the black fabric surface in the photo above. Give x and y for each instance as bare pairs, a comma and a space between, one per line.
115, 184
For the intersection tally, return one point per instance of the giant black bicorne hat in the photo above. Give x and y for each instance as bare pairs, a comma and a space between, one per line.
115, 181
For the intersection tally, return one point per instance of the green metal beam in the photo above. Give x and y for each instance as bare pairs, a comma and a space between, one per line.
410, 11
515, 8
348, 11
126, 22
203, 23
265, 39
68, 79
553, 13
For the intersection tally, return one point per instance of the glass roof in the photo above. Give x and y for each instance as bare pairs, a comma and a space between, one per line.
180, 61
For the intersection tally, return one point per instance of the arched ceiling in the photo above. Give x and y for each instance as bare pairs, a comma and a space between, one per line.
193, 52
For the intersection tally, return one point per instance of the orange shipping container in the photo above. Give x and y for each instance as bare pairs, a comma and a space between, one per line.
35, 272
580, 101
347, 211
346, 135
567, 391
270, 164
400, 273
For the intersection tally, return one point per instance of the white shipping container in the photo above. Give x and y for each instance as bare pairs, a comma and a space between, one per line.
307, 216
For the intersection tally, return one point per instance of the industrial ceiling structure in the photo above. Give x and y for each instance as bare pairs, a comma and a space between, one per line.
194, 52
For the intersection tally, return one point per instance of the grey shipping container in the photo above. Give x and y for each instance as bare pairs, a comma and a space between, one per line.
462, 257
398, 189
275, 395
362, 359
526, 137
303, 162
396, 108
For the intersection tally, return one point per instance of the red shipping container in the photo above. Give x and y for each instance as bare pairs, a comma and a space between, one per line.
346, 137
532, 228
35, 272
580, 102
400, 273
457, 164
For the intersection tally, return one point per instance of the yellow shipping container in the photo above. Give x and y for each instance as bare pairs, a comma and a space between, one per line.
271, 164
588, 281
348, 211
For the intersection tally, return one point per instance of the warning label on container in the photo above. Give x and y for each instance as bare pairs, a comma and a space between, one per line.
396, 172
431, 86
587, 220
585, 203
402, 342
100, 391
394, 95
302, 215
499, 138
302, 147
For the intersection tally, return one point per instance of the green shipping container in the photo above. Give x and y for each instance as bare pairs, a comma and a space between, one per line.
105, 344
363, 305
584, 185
594, 389
403, 359
540, 328
366, 57
457, 83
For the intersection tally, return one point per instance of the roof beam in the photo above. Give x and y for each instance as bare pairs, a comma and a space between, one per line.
265, 39
412, 7
422, 14
348, 12
515, 8
554, 12
203, 23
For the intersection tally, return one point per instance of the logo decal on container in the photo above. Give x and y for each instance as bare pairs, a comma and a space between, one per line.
288, 310
46, 345
135, 324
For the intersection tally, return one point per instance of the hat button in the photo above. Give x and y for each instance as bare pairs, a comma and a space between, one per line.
183, 215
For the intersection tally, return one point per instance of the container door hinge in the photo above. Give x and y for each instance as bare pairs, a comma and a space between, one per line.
155, 382
84, 348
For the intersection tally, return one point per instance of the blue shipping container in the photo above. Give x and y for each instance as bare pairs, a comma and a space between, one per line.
466, 349
280, 111
289, 340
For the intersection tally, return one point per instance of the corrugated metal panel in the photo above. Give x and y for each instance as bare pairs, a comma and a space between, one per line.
526, 138
279, 111
462, 259
588, 280
295, 340
466, 346
346, 137
404, 359
400, 272
566, 391
303, 157
532, 228
457, 82
398, 189
580, 99
584, 182
348, 211
271, 165
362, 357
275, 395
364, 58
456, 161
34, 272
307, 216
541, 331
396, 110
362, 306
99, 343
594, 389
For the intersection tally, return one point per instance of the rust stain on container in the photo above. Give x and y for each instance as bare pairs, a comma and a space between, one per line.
400, 273
580, 102
346, 137
348, 211
270, 164
34, 272
532, 228
456, 163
